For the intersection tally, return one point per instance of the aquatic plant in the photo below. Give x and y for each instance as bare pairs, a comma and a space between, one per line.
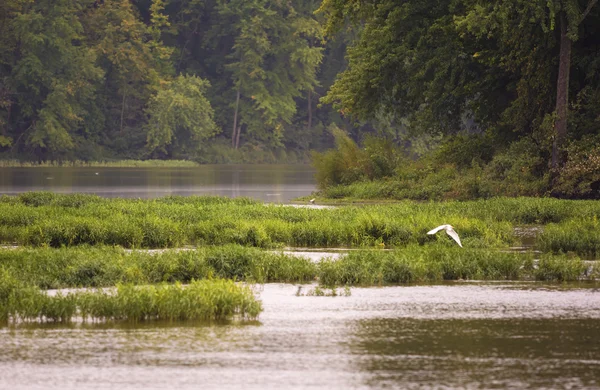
581, 235
559, 268
214, 299
102, 266
416, 264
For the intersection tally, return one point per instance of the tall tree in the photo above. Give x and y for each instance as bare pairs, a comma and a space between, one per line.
135, 63
437, 63
180, 116
51, 75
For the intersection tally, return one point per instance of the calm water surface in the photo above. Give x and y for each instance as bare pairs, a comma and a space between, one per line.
269, 183
462, 335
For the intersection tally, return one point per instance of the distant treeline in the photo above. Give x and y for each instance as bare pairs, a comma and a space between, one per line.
261, 80
208, 80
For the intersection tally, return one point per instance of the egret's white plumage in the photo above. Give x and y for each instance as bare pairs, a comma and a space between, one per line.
449, 230
312, 201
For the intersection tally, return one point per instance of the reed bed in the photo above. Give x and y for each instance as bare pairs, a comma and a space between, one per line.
49, 268
215, 299
86, 266
418, 265
581, 236
46, 219
55, 220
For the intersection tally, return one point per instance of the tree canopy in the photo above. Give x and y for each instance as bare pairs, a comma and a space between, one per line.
93, 79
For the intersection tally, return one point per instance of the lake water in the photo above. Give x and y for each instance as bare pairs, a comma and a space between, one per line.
269, 183
457, 335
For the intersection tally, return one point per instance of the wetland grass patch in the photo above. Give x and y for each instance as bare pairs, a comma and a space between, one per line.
416, 264
581, 236
86, 266
46, 219
214, 299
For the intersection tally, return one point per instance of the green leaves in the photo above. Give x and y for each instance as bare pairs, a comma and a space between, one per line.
180, 112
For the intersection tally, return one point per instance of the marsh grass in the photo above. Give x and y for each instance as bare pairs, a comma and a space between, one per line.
416, 264
559, 268
580, 236
47, 219
84, 266
55, 220
319, 291
214, 299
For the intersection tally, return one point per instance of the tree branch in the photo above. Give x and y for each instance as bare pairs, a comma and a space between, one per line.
590, 5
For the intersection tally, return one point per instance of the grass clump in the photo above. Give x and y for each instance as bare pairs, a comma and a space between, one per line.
581, 236
214, 299
559, 268
416, 264
84, 266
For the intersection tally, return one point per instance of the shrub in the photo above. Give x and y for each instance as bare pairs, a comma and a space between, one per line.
580, 177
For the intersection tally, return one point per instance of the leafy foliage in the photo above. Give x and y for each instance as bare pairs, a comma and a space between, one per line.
181, 114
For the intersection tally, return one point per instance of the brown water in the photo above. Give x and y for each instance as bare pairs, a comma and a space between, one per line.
461, 335
269, 183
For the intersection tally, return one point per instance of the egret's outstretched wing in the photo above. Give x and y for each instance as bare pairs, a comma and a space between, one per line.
454, 235
437, 229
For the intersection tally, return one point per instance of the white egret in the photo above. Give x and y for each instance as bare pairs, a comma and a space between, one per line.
312, 201
449, 230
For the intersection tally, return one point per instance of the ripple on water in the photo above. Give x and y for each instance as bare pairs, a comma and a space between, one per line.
452, 335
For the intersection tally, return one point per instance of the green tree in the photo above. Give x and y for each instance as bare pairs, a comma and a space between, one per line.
274, 58
180, 118
50, 75
506, 64
135, 63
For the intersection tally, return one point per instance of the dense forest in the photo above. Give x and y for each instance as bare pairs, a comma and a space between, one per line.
94, 79
511, 83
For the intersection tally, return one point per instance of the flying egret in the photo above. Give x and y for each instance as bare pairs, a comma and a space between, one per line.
449, 230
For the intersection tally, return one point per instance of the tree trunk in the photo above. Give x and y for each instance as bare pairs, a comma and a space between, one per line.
309, 110
237, 138
235, 115
123, 110
562, 95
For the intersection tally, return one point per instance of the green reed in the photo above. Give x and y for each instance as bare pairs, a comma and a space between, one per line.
416, 264
48, 219
214, 299
86, 266
581, 235
107, 266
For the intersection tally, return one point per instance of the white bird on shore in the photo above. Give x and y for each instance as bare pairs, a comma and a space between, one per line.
449, 230
312, 201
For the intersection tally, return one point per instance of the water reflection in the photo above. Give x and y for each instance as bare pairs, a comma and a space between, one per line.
471, 335
269, 183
